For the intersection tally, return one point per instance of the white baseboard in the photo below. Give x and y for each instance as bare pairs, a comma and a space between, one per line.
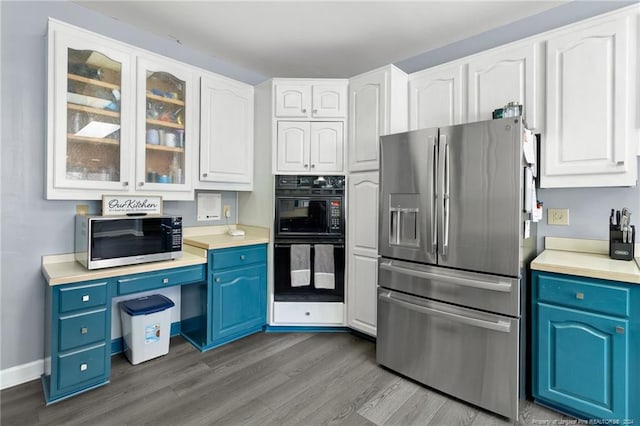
19, 374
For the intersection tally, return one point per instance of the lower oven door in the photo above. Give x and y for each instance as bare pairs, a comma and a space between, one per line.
285, 292
469, 354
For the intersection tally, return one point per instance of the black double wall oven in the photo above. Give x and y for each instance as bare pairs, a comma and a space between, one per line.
309, 239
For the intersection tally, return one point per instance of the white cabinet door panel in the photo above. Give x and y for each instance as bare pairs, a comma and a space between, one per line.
362, 301
292, 100
435, 97
503, 76
293, 145
329, 100
326, 146
589, 129
366, 122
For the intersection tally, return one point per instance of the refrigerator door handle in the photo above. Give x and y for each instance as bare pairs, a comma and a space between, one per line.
446, 178
485, 285
501, 326
434, 215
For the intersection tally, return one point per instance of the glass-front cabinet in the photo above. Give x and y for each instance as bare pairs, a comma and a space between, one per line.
120, 119
164, 101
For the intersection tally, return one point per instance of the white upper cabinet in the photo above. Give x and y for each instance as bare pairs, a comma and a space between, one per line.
91, 103
120, 120
591, 137
310, 147
502, 75
226, 134
437, 96
377, 106
310, 99
167, 123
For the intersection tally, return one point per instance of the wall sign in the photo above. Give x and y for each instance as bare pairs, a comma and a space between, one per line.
128, 204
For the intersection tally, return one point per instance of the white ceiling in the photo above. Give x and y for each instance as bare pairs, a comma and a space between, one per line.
317, 38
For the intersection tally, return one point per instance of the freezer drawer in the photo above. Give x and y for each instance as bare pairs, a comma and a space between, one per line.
468, 354
479, 291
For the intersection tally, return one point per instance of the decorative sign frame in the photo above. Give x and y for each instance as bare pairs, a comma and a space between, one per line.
120, 205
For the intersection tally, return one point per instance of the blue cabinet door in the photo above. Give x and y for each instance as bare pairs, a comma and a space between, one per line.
582, 362
238, 302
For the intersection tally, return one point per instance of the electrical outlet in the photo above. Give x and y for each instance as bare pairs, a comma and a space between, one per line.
227, 211
558, 217
82, 209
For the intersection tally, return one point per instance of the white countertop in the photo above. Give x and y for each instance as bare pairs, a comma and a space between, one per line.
587, 258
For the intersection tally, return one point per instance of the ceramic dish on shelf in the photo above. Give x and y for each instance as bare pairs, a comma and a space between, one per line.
90, 101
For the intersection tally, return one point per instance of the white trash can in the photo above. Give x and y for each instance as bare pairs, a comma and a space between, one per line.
146, 327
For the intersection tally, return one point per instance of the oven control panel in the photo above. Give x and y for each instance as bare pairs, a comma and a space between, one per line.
335, 215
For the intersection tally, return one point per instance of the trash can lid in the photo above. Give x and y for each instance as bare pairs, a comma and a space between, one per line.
146, 305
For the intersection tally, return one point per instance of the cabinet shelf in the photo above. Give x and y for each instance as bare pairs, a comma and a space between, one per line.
91, 110
86, 139
165, 100
164, 148
92, 81
165, 124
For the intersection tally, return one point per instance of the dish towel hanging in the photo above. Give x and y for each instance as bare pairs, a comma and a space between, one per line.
324, 276
300, 265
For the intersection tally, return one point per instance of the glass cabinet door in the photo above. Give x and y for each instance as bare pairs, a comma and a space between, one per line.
92, 95
164, 139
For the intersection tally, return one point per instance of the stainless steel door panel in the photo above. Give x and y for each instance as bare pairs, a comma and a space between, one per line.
407, 205
479, 291
481, 196
465, 353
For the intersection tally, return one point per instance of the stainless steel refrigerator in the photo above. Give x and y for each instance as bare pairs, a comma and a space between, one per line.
454, 242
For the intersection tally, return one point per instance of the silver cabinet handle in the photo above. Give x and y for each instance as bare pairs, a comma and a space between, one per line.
619, 330
304, 110
315, 111
204, 175
502, 326
141, 184
242, 257
85, 298
307, 314
165, 281
218, 280
580, 296
125, 183
84, 330
306, 165
83, 367
313, 166
485, 285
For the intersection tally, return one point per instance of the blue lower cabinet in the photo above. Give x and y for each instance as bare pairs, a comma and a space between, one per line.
238, 293
582, 354
78, 323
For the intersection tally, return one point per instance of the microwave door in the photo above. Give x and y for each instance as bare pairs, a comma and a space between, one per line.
407, 196
479, 167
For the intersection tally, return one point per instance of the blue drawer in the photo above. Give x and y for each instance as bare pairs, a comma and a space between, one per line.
237, 257
80, 367
81, 330
584, 294
166, 278
73, 298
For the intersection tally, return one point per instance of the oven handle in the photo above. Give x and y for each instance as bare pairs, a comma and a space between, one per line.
485, 285
502, 326
311, 244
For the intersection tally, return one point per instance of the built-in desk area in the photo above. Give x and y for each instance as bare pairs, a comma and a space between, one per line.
223, 288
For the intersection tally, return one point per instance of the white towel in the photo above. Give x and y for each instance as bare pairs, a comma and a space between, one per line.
323, 276
300, 265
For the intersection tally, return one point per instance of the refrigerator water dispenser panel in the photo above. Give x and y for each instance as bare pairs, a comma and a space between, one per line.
404, 220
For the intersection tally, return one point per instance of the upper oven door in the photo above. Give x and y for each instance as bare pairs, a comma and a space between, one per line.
307, 215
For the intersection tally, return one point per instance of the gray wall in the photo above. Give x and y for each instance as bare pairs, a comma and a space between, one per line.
32, 226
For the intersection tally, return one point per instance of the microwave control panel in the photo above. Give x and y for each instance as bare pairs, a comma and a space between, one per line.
335, 215
176, 233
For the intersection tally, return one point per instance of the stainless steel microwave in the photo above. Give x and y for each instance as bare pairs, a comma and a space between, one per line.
105, 241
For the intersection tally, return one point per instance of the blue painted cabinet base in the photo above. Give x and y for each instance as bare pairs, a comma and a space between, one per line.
586, 350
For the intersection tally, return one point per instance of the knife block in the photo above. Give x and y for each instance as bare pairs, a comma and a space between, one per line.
619, 250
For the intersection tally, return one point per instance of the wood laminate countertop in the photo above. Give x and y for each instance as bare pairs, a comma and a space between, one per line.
587, 258
216, 237
63, 269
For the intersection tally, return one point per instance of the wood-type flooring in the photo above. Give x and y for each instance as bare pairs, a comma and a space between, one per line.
263, 379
